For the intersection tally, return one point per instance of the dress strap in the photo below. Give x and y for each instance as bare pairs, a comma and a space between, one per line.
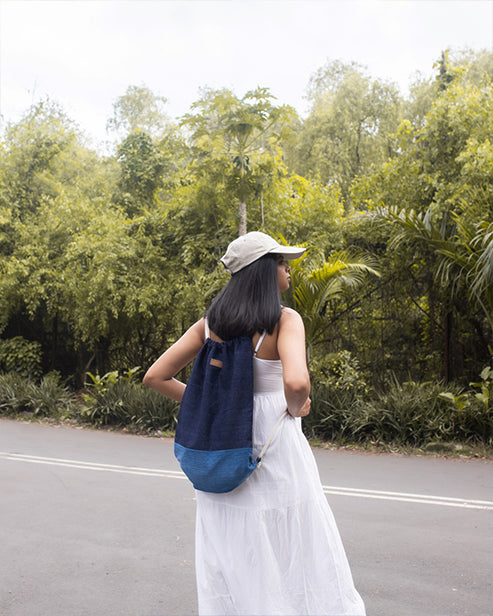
260, 340
207, 330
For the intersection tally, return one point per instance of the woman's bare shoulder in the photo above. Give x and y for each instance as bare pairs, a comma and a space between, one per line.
289, 316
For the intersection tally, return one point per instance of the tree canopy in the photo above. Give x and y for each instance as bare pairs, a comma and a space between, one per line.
106, 259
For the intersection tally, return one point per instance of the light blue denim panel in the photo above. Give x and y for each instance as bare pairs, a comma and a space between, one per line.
216, 471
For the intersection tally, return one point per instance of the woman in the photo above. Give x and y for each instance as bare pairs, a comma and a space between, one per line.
271, 546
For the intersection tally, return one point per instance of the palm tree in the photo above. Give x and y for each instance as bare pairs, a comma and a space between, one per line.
470, 259
461, 250
246, 131
322, 282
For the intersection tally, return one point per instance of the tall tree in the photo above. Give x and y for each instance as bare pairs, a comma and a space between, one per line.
350, 125
37, 154
444, 160
139, 109
151, 150
244, 132
141, 172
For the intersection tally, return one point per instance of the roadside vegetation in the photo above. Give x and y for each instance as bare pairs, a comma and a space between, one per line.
107, 258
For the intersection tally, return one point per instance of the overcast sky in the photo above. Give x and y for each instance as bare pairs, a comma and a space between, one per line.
84, 54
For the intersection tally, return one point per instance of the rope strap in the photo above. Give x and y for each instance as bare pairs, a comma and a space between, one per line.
269, 441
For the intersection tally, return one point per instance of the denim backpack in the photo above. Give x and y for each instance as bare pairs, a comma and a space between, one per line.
213, 439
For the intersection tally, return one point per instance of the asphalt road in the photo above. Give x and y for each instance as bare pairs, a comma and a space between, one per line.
95, 523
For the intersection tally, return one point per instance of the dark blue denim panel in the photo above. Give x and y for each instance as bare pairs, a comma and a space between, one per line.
217, 408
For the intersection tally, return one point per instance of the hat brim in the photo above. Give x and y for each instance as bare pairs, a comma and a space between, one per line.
288, 252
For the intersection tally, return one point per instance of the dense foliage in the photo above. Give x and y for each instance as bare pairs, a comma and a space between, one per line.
107, 259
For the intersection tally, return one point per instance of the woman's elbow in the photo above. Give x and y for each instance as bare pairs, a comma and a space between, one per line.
298, 386
149, 379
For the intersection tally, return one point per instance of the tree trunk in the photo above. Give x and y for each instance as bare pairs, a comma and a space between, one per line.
358, 142
242, 215
447, 355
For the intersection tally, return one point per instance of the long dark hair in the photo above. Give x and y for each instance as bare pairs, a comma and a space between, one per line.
249, 303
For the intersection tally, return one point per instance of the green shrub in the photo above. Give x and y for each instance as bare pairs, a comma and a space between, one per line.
473, 409
50, 398
15, 393
475, 423
21, 356
407, 414
338, 391
331, 414
339, 373
122, 401
21, 395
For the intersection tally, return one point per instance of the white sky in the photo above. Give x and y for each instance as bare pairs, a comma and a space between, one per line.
84, 54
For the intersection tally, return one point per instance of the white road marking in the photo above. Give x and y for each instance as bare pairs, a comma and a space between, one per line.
94, 466
425, 499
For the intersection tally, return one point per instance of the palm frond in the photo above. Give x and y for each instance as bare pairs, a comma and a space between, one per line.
314, 288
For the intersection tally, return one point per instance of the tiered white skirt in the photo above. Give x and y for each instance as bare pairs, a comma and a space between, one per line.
272, 545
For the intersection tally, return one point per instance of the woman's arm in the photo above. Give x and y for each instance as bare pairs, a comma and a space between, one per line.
160, 375
291, 348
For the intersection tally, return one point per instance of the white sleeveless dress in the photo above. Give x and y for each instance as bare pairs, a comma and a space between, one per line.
271, 546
